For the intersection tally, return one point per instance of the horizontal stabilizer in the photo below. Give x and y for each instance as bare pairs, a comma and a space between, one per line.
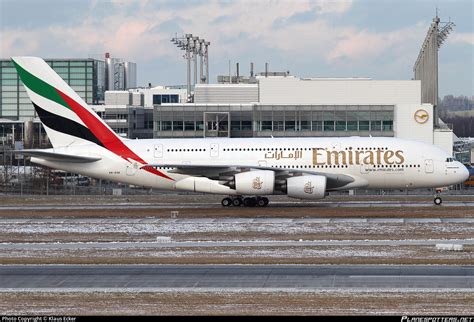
57, 157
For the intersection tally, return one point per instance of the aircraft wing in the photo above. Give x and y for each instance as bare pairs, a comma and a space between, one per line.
226, 172
52, 156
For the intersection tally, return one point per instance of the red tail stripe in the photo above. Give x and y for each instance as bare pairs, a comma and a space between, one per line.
105, 135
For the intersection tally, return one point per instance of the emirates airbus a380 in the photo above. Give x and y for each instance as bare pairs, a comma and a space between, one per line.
244, 170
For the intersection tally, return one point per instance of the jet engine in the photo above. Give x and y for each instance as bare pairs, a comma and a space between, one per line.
306, 187
260, 182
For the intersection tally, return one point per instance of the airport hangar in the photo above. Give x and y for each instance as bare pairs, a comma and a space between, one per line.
267, 104
280, 105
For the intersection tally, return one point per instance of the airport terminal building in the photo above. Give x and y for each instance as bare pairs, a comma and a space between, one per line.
290, 107
278, 106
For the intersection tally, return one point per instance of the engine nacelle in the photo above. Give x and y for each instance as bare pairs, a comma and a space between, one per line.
306, 187
261, 182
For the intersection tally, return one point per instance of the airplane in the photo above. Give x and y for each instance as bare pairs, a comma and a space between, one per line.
244, 170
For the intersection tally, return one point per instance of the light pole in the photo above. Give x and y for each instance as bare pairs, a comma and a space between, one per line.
201, 60
193, 46
206, 59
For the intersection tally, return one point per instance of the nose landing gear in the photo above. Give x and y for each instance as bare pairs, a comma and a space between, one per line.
247, 201
437, 200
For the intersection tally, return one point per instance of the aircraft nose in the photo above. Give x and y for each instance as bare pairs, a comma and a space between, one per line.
464, 172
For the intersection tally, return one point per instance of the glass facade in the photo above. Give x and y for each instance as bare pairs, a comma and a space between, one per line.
373, 119
255, 120
188, 120
162, 98
133, 122
85, 76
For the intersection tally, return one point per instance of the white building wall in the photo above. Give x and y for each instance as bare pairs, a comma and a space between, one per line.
291, 90
149, 92
444, 139
117, 98
405, 125
98, 108
137, 99
226, 93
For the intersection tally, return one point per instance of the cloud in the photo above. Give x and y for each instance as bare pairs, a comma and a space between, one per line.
308, 37
222, 19
171, 26
34, 14
361, 45
462, 38
139, 28
19, 42
299, 17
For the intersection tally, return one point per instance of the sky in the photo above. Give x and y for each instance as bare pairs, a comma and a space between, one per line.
379, 39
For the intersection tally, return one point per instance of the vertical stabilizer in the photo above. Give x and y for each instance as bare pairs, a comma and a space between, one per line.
67, 119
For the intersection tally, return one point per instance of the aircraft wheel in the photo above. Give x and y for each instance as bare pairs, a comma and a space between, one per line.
262, 202
265, 199
250, 202
226, 202
438, 201
237, 202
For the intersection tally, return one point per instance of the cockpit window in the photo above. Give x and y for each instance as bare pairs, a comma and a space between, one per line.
450, 160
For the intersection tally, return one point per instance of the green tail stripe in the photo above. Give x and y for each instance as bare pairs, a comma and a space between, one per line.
39, 87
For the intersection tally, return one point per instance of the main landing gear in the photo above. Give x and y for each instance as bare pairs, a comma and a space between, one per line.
238, 201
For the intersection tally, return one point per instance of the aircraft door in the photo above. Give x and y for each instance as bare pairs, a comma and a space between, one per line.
158, 151
429, 167
214, 150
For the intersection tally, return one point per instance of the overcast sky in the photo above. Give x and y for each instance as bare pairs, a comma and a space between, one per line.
366, 38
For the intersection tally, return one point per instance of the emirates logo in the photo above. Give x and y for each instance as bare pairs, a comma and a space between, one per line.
257, 183
308, 188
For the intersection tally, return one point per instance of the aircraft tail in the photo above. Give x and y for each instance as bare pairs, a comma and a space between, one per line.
67, 119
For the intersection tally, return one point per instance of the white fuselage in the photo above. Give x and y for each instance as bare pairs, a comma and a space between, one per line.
373, 163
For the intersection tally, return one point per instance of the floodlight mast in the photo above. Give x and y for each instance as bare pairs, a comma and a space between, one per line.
444, 32
426, 65
201, 62
206, 59
184, 44
193, 46
188, 58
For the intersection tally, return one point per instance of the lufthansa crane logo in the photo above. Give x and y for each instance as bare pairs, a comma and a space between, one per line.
257, 183
308, 188
421, 116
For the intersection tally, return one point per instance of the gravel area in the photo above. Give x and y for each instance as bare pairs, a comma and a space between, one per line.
225, 302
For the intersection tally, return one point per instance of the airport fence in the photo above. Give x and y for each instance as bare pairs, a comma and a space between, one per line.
108, 189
